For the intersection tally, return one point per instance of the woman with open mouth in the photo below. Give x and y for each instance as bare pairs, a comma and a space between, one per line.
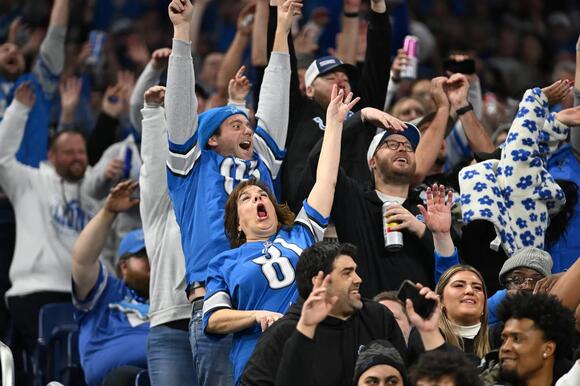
252, 285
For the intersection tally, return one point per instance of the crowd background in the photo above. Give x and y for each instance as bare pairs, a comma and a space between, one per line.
516, 45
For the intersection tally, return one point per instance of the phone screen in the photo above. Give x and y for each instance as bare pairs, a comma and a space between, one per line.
423, 307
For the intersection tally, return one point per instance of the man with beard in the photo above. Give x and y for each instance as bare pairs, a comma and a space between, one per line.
537, 340
51, 207
113, 314
357, 215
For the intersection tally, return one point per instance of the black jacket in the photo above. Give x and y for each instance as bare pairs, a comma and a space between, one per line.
307, 118
283, 356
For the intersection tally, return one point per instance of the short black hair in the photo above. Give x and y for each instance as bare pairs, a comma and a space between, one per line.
316, 258
548, 314
58, 134
435, 365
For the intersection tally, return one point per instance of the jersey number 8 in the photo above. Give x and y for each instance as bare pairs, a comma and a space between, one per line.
277, 268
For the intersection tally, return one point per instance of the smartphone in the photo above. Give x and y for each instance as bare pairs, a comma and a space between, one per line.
466, 66
423, 307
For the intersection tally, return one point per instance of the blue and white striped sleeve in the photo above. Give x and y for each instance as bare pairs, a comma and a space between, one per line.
313, 221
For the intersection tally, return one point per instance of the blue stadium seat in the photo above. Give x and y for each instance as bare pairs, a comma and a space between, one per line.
142, 379
56, 357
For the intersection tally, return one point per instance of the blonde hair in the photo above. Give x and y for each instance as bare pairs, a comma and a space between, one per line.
481, 344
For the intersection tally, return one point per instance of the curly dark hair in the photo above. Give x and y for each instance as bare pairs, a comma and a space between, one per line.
548, 314
435, 365
316, 258
231, 219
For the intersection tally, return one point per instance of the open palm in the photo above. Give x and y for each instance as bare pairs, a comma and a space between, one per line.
437, 215
339, 105
120, 199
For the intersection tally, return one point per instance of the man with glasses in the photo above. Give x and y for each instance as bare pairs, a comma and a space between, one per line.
357, 214
526, 267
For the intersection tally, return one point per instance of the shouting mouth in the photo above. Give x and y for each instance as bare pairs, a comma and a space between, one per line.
245, 145
262, 212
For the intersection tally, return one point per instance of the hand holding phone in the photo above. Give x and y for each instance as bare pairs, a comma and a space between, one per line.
423, 307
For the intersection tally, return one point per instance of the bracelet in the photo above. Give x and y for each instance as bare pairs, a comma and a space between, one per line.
351, 14
464, 109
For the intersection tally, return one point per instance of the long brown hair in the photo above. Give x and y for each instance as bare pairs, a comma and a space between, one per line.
232, 221
481, 344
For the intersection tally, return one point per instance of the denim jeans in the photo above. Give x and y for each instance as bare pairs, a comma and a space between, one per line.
211, 357
169, 357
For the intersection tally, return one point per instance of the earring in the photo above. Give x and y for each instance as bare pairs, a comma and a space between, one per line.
545, 355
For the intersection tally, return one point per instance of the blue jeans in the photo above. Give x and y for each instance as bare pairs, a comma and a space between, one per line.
169, 357
211, 357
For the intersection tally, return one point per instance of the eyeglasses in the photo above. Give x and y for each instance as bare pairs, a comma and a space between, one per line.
394, 145
519, 281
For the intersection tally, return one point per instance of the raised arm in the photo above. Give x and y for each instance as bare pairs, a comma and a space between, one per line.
180, 100
148, 78
90, 243
346, 48
322, 194
152, 177
479, 140
434, 136
13, 175
260, 34
52, 53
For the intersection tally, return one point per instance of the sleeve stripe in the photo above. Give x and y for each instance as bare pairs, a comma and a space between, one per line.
220, 299
184, 148
279, 154
293, 247
313, 215
316, 230
181, 164
87, 306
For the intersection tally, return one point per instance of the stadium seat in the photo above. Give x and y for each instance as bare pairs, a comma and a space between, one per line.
56, 356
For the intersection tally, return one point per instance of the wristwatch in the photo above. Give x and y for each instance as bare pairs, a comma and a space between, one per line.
464, 109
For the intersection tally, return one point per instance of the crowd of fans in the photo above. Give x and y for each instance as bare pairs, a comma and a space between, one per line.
229, 183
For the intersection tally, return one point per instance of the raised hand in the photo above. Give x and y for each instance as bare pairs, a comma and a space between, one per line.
160, 58
569, 117
112, 103
266, 318
70, 91
25, 94
120, 199
424, 325
400, 62
338, 108
239, 86
557, 91
180, 11
457, 88
438, 92
287, 10
317, 307
379, 118
245, 21
438, 213
155, 95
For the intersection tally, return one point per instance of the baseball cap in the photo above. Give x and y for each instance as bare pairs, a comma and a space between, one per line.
132, 243
325, 65
411, 132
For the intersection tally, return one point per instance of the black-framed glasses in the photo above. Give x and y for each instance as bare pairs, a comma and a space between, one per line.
394, 145
519, 281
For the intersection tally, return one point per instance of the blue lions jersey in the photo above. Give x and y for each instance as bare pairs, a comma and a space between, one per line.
200, 181
260, 276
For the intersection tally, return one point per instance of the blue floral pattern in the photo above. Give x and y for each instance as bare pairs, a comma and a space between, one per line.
516, 193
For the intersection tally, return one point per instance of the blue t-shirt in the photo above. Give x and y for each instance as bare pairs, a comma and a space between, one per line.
113, 328
199, 182
260, 276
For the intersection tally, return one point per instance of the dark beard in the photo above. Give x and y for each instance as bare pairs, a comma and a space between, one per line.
398, 178
510, 378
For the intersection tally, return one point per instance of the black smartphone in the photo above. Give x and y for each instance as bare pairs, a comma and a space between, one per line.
466, 66
423, 307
